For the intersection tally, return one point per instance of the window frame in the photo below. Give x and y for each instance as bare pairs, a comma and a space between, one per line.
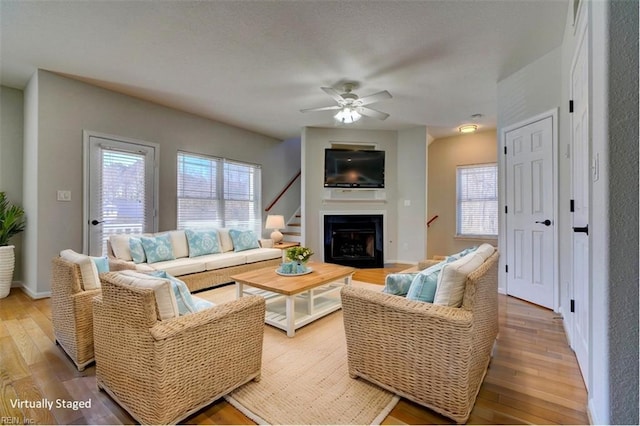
459, 234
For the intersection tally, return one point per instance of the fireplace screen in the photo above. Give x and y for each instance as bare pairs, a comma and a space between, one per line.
353, 244
354, 240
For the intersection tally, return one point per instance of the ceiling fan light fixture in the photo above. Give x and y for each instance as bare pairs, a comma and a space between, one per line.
468, 128
347, 115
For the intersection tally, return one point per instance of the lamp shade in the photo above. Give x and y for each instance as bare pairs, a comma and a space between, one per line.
275, 221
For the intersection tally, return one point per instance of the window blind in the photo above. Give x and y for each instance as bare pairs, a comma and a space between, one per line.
216, 192
477, 200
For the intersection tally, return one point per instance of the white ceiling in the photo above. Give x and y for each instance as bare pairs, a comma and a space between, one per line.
255, 64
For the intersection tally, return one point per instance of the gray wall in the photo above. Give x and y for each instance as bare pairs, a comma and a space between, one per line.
11, 146
53, 160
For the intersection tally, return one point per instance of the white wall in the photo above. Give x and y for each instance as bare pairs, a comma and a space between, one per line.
63, 108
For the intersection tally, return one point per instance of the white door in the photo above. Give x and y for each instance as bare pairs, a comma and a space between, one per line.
119, 190
580, 177
530, 212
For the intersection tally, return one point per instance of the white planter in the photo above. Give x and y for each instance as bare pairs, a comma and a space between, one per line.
7, 263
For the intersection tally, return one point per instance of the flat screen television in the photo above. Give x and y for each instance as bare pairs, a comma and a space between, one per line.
345, 168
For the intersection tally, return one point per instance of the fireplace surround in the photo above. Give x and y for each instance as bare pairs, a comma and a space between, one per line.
354, 240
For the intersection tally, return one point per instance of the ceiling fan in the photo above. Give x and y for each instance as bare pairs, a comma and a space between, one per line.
351, 107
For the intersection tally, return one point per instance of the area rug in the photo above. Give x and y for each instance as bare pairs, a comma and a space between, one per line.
305, 378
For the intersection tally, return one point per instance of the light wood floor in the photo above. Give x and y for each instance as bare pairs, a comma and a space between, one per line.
533, 377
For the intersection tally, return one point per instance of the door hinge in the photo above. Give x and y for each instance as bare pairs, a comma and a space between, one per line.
573, 305
505, 210
506, 268
505, 150
571, 206
570, 106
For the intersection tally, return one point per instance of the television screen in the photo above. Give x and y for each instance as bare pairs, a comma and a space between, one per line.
345, 168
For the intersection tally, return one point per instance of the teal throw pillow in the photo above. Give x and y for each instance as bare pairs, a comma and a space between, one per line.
243, 240
202, 242
398, 284
202, 304
137, 251
185, 302
423, 286
157, 248
461, 254
102, 263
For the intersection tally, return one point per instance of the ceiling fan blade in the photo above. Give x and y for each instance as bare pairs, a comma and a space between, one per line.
321, 108
334, 94
370, 112
376, 97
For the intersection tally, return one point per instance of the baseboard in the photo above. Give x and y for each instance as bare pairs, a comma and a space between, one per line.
31, 294
502, 290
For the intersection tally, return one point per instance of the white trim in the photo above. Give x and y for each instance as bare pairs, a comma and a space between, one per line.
31, 294
502, 223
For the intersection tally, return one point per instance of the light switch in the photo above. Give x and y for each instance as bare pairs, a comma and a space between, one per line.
64, 195
407, 203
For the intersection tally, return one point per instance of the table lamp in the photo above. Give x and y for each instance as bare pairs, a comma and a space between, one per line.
275, 222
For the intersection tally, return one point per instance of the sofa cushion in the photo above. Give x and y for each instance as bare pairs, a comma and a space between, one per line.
120, 246
137, 251
178, 267
258, 254
485, 251
451, 283
223, 260
243, 239
179, 243
158, 248
398, 284
202, 242
423, 287
184, 300
165, 298
226, 244
88, 269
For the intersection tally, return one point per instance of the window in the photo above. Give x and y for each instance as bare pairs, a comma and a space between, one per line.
477, 201
216, 192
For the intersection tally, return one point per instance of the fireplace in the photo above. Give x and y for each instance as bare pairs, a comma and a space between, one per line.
354, 240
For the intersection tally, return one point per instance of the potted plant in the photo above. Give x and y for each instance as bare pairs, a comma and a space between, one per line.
11, 223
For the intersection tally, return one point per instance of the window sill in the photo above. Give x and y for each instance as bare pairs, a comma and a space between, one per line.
476, 237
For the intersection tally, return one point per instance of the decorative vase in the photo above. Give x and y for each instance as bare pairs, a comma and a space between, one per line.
301, 267
7, 263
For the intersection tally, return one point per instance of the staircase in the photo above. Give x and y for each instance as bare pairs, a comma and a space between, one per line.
293, 230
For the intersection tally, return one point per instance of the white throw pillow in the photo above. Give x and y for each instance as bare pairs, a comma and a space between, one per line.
451, 283
485, 251
225, 240
88, 269
179, 243
165, 298
120, 246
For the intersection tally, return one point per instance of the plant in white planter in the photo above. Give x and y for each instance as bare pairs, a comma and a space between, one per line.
11, 223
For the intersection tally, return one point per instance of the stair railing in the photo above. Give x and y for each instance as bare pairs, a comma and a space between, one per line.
431, 220
283, 191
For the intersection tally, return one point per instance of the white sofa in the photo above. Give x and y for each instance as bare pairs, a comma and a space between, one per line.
197, 272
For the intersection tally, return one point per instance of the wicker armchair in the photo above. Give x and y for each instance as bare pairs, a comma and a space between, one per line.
163, 371
72, 312
436, 356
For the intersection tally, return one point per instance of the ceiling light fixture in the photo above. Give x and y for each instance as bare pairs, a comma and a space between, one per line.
347, 115
468, 128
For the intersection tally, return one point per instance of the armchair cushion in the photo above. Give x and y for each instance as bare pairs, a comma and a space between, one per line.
88, 269
102, 263
187, 304
165, 297
398, 284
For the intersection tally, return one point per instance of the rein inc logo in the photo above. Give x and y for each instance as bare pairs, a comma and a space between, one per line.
40, 404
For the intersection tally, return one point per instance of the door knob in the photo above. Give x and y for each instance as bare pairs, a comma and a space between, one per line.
96, 222
545, 222
584, 229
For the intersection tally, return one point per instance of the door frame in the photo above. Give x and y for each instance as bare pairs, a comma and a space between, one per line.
502, 197
86, 136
